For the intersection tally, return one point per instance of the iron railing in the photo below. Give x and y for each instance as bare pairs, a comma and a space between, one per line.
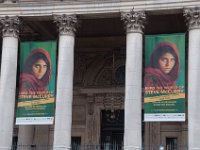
32, 147
105, 146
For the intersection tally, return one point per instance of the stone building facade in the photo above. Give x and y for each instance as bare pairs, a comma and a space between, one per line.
89, 34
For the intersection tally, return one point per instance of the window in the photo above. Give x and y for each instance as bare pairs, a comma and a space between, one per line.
112, 129
171, 143
76, 143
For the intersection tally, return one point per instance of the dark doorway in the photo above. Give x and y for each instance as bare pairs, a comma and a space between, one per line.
171, 143
14, 143
76, 143
112, 129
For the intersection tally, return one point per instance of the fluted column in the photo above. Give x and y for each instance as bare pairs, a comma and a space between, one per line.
10, 32
133, 84
193, 21
63, 116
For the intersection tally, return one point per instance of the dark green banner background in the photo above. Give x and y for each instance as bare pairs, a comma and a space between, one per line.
165, 105
36, 107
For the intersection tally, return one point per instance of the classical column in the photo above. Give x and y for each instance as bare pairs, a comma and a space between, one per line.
63, 116
10, 32
193, 21
133, 84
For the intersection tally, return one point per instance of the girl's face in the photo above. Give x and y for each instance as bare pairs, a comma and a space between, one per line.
39, 68
166, 63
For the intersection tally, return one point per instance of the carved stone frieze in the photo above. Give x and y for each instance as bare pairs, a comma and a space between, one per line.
192, 17
109, 100
67, 24
10, 26
134, 20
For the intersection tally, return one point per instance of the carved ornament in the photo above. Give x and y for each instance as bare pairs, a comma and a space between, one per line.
134, 20
192, 17
10, 26
67, 24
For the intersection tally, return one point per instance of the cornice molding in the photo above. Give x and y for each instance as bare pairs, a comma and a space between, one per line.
49, 8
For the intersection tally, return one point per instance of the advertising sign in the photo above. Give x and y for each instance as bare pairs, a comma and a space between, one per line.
36, 93
164, 78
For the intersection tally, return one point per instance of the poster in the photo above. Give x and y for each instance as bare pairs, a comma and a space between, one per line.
164, 78
36, 92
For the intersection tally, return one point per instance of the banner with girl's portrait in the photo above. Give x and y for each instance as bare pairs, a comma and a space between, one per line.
164, 78
36, 86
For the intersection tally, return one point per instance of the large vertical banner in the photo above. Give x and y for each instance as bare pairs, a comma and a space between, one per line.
164, 78
36, 95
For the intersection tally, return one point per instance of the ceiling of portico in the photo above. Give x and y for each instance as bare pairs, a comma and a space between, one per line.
100, 33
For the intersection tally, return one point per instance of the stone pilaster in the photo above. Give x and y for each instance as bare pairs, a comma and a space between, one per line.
10, 30
193, 22
63, 116
134, 23
26, 136
90, 121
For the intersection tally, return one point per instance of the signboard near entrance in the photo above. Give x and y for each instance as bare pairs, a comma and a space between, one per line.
36, 93
164, 78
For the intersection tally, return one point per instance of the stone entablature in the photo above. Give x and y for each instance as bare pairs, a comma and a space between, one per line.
50, 7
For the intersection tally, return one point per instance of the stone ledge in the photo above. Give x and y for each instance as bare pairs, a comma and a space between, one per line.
48, 8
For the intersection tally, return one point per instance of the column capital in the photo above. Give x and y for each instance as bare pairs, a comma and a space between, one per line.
10, 26
67, 24
192, 16
134, 21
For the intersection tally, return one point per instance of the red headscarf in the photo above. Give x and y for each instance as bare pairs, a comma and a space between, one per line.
154, 76
27, 81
